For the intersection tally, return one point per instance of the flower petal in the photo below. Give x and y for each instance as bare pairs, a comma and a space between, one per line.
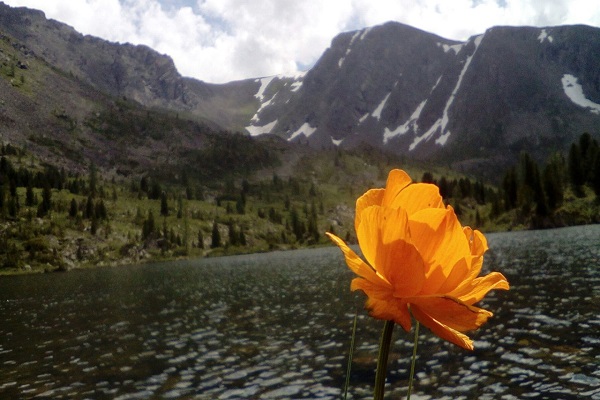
397, 181
458, 274
384, 240
479, 287
440, 239
382, 304
475, 269
442, 330
451, 312
356, 264
477, 241
416, 197
373, 197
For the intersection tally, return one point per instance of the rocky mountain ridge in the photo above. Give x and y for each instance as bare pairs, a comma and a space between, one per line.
411, 92
474, 103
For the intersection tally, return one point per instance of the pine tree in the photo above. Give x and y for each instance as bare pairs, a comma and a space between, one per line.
46, 203
93, 180
496, 207
186, 234
596, 177
73, 209
233, 236
576, 172
100, 210
510, 187
588, 148
164, 207
13, 206
94, 226
144, 185
427, 177
531, 189
89, 208
29, 195
240, 204
148, 227
200, 239
179, 207
155, 192
216, 236
296, 224
242, 237
466, 188
553, 186
444, 188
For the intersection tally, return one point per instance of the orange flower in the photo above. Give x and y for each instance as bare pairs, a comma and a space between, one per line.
419, 260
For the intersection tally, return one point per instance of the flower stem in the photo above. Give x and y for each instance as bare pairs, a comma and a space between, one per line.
384, 352
412, 363
349, 366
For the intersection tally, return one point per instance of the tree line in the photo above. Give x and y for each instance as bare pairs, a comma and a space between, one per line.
533, 192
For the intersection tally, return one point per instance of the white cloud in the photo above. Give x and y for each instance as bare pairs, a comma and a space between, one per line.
223, 40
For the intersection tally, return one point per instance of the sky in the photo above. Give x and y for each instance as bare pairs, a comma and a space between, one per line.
219, 41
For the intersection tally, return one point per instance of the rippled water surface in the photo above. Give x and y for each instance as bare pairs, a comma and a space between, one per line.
278, 326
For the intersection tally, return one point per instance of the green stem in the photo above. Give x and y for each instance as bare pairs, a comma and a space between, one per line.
414, 359
384, 352
350, 355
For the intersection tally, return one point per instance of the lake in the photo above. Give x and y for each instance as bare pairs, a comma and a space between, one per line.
278, 325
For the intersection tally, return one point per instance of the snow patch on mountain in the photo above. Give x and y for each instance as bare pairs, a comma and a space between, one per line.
292, 84
336, 142
264, 83
411, 123
544, 35
456, 48
263, 105
442, 122
425, 136
296, 76
261, 130
356, 34
296, 86
478, 40
436, 84
379, 109
305, 130
363, 118
349, 49
575, 92
298, 80
442, 139
365, 32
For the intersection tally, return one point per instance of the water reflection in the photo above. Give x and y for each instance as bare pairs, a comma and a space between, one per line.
278, 326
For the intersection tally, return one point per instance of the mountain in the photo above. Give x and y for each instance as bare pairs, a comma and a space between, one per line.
73, 100
124, 70
474, 104
395, 87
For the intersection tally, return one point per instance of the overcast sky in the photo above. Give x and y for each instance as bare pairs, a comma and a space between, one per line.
224, 40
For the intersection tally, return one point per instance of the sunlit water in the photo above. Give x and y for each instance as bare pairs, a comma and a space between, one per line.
278, 326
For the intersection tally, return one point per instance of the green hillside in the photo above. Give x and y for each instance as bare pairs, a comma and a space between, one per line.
52, 219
